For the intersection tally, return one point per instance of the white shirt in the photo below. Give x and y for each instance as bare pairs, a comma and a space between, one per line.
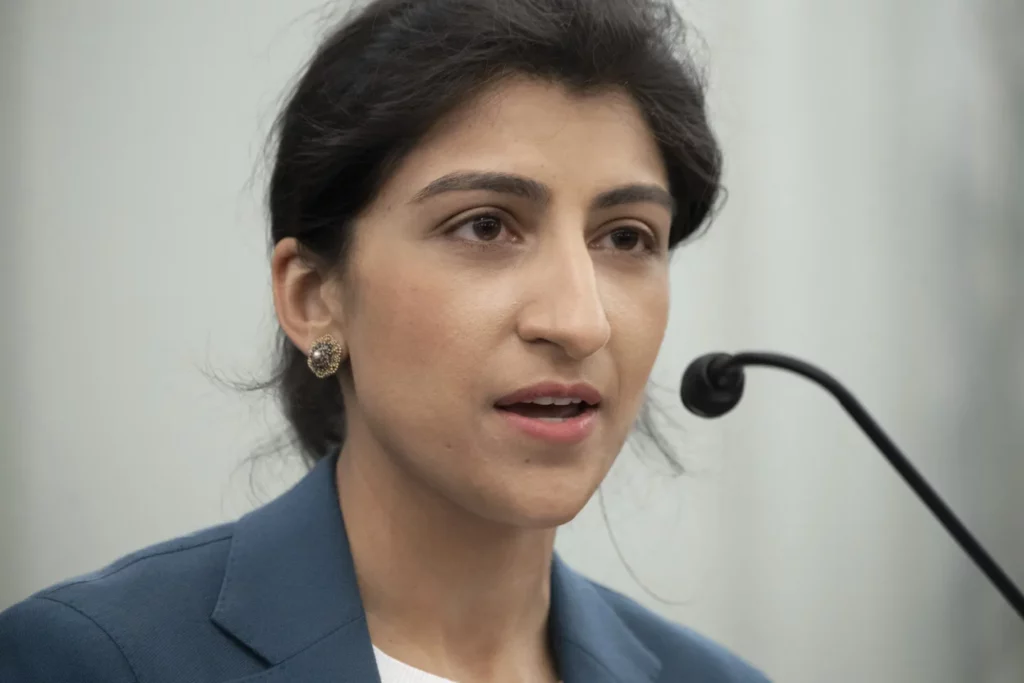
393, 671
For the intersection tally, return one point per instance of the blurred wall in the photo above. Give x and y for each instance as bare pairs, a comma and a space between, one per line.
874, 226
11, 73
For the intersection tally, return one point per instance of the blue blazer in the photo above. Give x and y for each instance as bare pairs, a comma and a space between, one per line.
272, 598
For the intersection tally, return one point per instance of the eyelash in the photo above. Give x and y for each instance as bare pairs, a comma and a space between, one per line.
650, 243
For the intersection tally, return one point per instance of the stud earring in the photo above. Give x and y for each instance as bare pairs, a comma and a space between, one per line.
325, 356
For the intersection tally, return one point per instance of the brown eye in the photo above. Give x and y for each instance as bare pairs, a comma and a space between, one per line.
630, 240
487, 228
482, 228
627, 240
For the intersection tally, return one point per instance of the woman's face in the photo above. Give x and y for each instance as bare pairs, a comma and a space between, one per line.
523, 243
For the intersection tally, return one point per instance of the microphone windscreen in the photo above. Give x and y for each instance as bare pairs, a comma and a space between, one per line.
712, 385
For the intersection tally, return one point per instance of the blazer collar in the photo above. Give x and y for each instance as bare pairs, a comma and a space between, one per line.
590, 640
290, 581
290, 594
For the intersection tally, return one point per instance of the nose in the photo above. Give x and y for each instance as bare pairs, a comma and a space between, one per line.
564, 305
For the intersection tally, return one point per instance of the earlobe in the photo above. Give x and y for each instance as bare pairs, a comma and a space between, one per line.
325, 356
303, 311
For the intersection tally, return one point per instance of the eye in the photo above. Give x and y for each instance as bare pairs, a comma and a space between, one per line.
631, 240
485, 227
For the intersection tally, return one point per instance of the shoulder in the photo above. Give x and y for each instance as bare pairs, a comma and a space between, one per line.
46, 640
178, 576
684, 653
98, 626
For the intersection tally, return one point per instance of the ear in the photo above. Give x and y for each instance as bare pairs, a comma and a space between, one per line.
307, 300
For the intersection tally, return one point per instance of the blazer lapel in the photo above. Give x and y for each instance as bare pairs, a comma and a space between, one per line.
289, 591
290, 595
591, 642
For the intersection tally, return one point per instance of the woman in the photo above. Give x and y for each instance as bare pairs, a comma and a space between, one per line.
472, 206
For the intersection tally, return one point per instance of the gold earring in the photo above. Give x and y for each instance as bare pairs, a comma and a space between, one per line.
325, 356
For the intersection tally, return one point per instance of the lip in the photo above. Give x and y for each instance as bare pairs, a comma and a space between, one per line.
585, 392
570, 431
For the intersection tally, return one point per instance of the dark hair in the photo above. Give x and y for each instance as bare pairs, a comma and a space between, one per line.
385, 76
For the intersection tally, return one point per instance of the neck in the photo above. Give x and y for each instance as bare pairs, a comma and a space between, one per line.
444, 590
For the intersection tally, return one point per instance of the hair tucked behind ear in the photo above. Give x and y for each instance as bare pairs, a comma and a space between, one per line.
313, 406
391, 70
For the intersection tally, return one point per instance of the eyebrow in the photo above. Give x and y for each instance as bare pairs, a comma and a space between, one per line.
526, 188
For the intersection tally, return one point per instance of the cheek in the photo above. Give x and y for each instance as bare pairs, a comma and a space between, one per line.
639, 317
420, 334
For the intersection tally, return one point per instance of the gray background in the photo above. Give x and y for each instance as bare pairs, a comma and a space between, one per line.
874, 226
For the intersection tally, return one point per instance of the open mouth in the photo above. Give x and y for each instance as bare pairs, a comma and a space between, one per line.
549, 413
554, 420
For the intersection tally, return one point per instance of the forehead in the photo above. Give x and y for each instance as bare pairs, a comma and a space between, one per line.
541, 130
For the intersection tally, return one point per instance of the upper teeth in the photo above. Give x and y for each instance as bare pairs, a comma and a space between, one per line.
550, 401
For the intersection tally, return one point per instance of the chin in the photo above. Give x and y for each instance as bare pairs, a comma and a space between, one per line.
542, 517
551, 520
545, 506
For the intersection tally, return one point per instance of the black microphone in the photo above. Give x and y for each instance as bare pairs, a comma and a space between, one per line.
713, 385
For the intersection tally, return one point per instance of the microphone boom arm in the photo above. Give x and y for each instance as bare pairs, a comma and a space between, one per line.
729, 377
